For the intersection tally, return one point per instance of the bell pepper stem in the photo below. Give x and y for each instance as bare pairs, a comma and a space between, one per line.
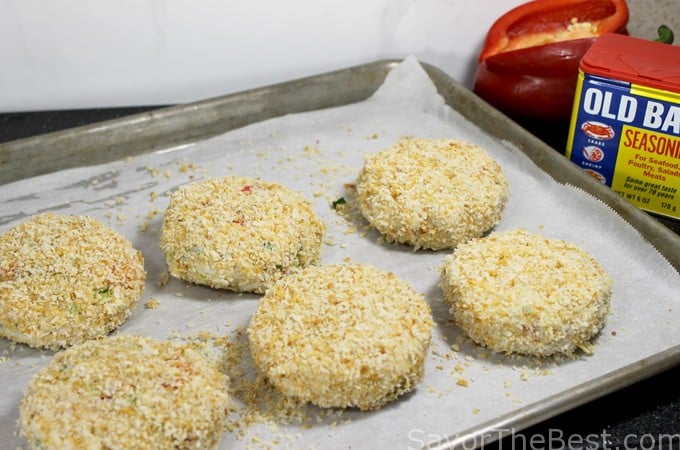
665, 35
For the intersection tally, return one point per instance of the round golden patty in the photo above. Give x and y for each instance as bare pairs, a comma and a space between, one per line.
519, 292
341, 336
239, 233
125, 392
432, 193
66, 279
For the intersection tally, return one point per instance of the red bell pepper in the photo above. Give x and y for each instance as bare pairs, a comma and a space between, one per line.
529, 64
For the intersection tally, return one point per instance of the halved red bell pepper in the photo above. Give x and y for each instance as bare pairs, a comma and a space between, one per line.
529, 64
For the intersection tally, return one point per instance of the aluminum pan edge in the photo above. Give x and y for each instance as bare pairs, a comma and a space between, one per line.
166, 127
522, 418
145, 132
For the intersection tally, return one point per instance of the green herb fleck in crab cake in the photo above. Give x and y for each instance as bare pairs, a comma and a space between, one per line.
66, 279
239, 233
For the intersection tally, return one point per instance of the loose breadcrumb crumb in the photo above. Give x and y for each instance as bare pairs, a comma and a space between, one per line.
152, 303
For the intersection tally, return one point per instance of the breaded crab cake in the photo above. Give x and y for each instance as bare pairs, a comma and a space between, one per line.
66, 279
128, 392
432, 193
519, 292
239, 233
341, 336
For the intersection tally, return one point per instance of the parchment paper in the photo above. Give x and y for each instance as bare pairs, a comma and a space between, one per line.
317, 153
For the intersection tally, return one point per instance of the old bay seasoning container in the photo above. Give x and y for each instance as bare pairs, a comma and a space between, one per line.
625, 124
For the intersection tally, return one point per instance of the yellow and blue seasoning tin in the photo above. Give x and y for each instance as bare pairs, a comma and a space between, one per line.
625, 124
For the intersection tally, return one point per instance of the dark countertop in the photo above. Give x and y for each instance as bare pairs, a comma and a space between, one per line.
645, 415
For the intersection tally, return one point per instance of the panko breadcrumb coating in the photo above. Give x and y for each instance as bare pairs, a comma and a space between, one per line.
66, 279
519, 292
239, 233
341, 336
432, 193
125, 392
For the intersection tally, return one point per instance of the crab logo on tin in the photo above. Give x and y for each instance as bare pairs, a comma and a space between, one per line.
597, 175
593, 154
598, 130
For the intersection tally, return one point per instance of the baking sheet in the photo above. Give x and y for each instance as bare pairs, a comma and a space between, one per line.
466, 390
